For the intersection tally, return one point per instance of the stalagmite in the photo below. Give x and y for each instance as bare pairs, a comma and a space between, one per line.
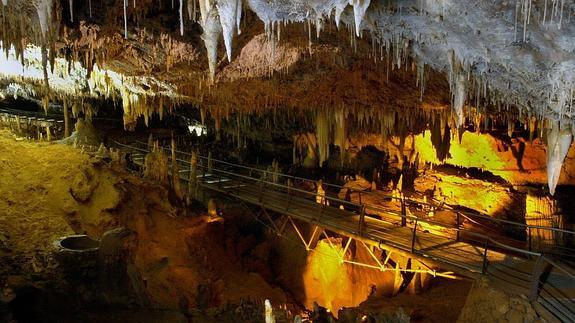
269, 312
559, 140
359, 9
156, 164
227, 10
320, 195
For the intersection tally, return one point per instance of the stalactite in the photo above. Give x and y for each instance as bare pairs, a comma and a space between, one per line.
340, 133
322, 134
44, 51
125, 19
532, 123
559, 140
71, 4
239, 16
510, 126
227, 11
181, 17
191, 5
359, 9
44, 10
458, 87
45, 103
212, 30
339, 7
544, 12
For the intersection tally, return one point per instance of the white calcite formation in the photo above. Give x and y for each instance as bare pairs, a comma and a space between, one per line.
497, 54
559, 140
212, 29
359, 9
519, 54
230, 16
44, 10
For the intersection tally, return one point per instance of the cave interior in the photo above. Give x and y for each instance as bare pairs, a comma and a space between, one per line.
336, 161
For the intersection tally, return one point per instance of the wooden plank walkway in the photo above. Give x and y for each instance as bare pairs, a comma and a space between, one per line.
461, 255
546, 282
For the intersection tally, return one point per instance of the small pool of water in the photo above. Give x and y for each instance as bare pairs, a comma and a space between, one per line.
79, 243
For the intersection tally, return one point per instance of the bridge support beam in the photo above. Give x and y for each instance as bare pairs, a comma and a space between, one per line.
310, 243
538, 276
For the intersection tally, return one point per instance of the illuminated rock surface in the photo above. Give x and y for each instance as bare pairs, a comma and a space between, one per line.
467, 102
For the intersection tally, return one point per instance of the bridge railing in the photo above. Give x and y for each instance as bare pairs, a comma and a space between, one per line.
509, 232
232, 178
542, 290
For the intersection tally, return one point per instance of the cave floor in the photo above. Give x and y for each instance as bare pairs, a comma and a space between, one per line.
35, 181
32, 186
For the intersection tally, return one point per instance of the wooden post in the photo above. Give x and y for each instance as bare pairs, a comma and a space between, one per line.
529, 237
262, 187
361, 220
175, 172
66, 120
485, 261
413, 238
210, 163
238, 134
458, 224
38, 133
193, 178
403, 212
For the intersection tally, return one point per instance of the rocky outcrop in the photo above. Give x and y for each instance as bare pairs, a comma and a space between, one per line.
486, 304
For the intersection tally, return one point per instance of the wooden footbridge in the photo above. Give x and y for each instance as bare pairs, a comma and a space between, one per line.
470, 244
47, 125
463, 247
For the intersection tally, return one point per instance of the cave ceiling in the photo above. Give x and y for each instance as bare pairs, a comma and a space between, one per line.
505, 58
256, 54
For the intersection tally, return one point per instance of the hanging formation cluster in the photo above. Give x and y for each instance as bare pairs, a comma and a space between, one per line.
36, 22
497, 55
